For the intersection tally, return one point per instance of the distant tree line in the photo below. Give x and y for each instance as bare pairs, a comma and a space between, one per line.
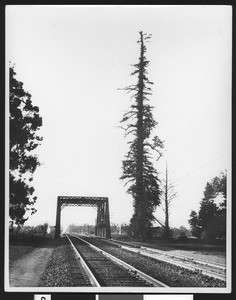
116, 229
30, 231
81, 229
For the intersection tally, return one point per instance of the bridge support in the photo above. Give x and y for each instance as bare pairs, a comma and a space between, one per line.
58, 219
103, 220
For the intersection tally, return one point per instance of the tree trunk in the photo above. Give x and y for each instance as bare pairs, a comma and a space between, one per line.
167, 228
140, 138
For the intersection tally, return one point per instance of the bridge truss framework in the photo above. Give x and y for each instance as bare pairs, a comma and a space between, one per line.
102, 227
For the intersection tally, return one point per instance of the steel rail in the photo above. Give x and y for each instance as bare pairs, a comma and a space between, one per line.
87, 270
141, 274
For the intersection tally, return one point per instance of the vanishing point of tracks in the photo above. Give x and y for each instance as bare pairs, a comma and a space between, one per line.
99, 268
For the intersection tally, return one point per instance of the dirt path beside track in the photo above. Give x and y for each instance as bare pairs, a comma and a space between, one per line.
26, 271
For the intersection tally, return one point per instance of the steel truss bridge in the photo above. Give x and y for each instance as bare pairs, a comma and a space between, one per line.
102, 227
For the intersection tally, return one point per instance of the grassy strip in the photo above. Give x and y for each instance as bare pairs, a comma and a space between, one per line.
18, 247
17, 252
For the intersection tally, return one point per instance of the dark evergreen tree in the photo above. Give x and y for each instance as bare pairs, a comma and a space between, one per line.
24, 123
138, 170
211, 218
194, 224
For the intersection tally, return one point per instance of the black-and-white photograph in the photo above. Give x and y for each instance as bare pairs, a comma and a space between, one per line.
118, 148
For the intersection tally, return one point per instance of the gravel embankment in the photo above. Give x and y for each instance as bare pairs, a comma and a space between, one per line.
217, 256
169, 274
207, 256
62, 268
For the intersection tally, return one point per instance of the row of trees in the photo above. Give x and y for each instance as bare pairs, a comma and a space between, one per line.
31, 231
81, 229
116, 229
125, 230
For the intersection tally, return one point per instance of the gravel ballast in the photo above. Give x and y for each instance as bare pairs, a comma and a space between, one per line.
62, 269
167, 273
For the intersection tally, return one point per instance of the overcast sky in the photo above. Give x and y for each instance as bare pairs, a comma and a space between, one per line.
73, 60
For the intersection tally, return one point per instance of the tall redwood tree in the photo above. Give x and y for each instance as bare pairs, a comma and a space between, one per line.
138, 170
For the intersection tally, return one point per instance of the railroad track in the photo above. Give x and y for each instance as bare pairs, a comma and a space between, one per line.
184, 262
214, 270
103, 269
